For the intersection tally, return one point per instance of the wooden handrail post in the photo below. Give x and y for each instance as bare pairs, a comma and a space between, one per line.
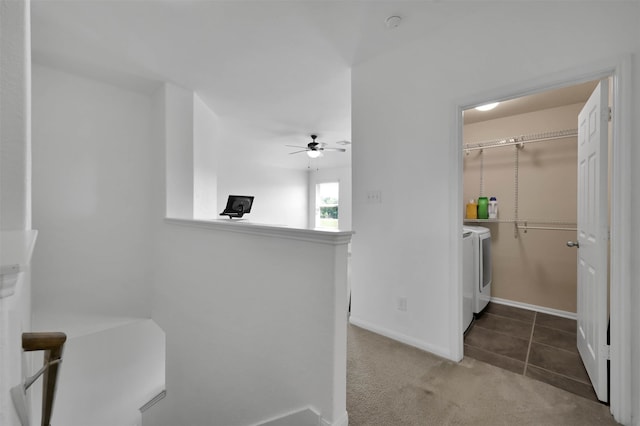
52, 343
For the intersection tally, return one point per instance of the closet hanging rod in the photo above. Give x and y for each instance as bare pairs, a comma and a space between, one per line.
544, 228
521, 140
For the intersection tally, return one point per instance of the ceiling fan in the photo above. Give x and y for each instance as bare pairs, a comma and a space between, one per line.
315, 149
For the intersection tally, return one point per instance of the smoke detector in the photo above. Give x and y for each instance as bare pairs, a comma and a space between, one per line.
393, 21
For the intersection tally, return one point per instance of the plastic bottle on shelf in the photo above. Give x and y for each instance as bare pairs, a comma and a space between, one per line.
472, 210
483, 208
493, 208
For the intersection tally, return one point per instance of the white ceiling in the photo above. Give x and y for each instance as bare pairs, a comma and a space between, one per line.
570, 95
274, 71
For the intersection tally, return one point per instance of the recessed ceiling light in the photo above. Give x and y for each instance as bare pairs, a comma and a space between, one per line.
343, 143
487, 107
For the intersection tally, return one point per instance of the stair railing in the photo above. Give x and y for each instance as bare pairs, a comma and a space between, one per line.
52, 343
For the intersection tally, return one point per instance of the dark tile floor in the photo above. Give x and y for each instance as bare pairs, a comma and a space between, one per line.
534, 344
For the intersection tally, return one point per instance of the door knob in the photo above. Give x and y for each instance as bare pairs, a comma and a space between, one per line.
573, 244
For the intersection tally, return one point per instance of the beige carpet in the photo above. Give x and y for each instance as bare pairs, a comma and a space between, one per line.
391, 384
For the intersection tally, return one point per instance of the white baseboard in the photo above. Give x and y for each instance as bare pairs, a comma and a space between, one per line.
342, 421
542, 309
411, 341
153, 401
305, 417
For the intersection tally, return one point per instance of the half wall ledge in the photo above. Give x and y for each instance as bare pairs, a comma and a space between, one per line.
16, 249
245, 227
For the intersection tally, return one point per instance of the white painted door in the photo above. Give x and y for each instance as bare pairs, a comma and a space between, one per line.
593, 234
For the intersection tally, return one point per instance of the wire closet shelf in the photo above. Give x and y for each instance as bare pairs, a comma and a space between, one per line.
519, 142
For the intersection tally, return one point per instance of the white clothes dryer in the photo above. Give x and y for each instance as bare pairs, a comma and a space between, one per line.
468, 278
482, 266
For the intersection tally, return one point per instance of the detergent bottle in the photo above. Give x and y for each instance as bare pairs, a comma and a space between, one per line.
472, 209
483, 208
493, 208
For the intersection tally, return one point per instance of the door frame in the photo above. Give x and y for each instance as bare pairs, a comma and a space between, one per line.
619, 68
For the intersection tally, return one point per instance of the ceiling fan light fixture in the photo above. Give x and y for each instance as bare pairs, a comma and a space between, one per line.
314, 154
487, 107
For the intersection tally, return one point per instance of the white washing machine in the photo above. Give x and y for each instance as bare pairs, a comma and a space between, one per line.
481, 266
468, 277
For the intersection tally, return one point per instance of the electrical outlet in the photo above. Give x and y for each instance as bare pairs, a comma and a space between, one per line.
402, 304
374, 196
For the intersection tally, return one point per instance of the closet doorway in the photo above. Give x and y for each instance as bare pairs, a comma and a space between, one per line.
524, 152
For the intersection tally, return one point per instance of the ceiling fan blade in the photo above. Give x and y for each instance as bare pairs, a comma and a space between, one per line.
314, 147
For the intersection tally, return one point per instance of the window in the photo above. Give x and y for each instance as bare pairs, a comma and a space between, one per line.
327, 197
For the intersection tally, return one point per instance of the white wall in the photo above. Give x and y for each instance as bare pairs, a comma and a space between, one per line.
634, 239
190, 135
15, 120
15, 189
403, 107
91, 196
251, 333
205, 160
178, 138
339, 174
15, 318
280, 194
